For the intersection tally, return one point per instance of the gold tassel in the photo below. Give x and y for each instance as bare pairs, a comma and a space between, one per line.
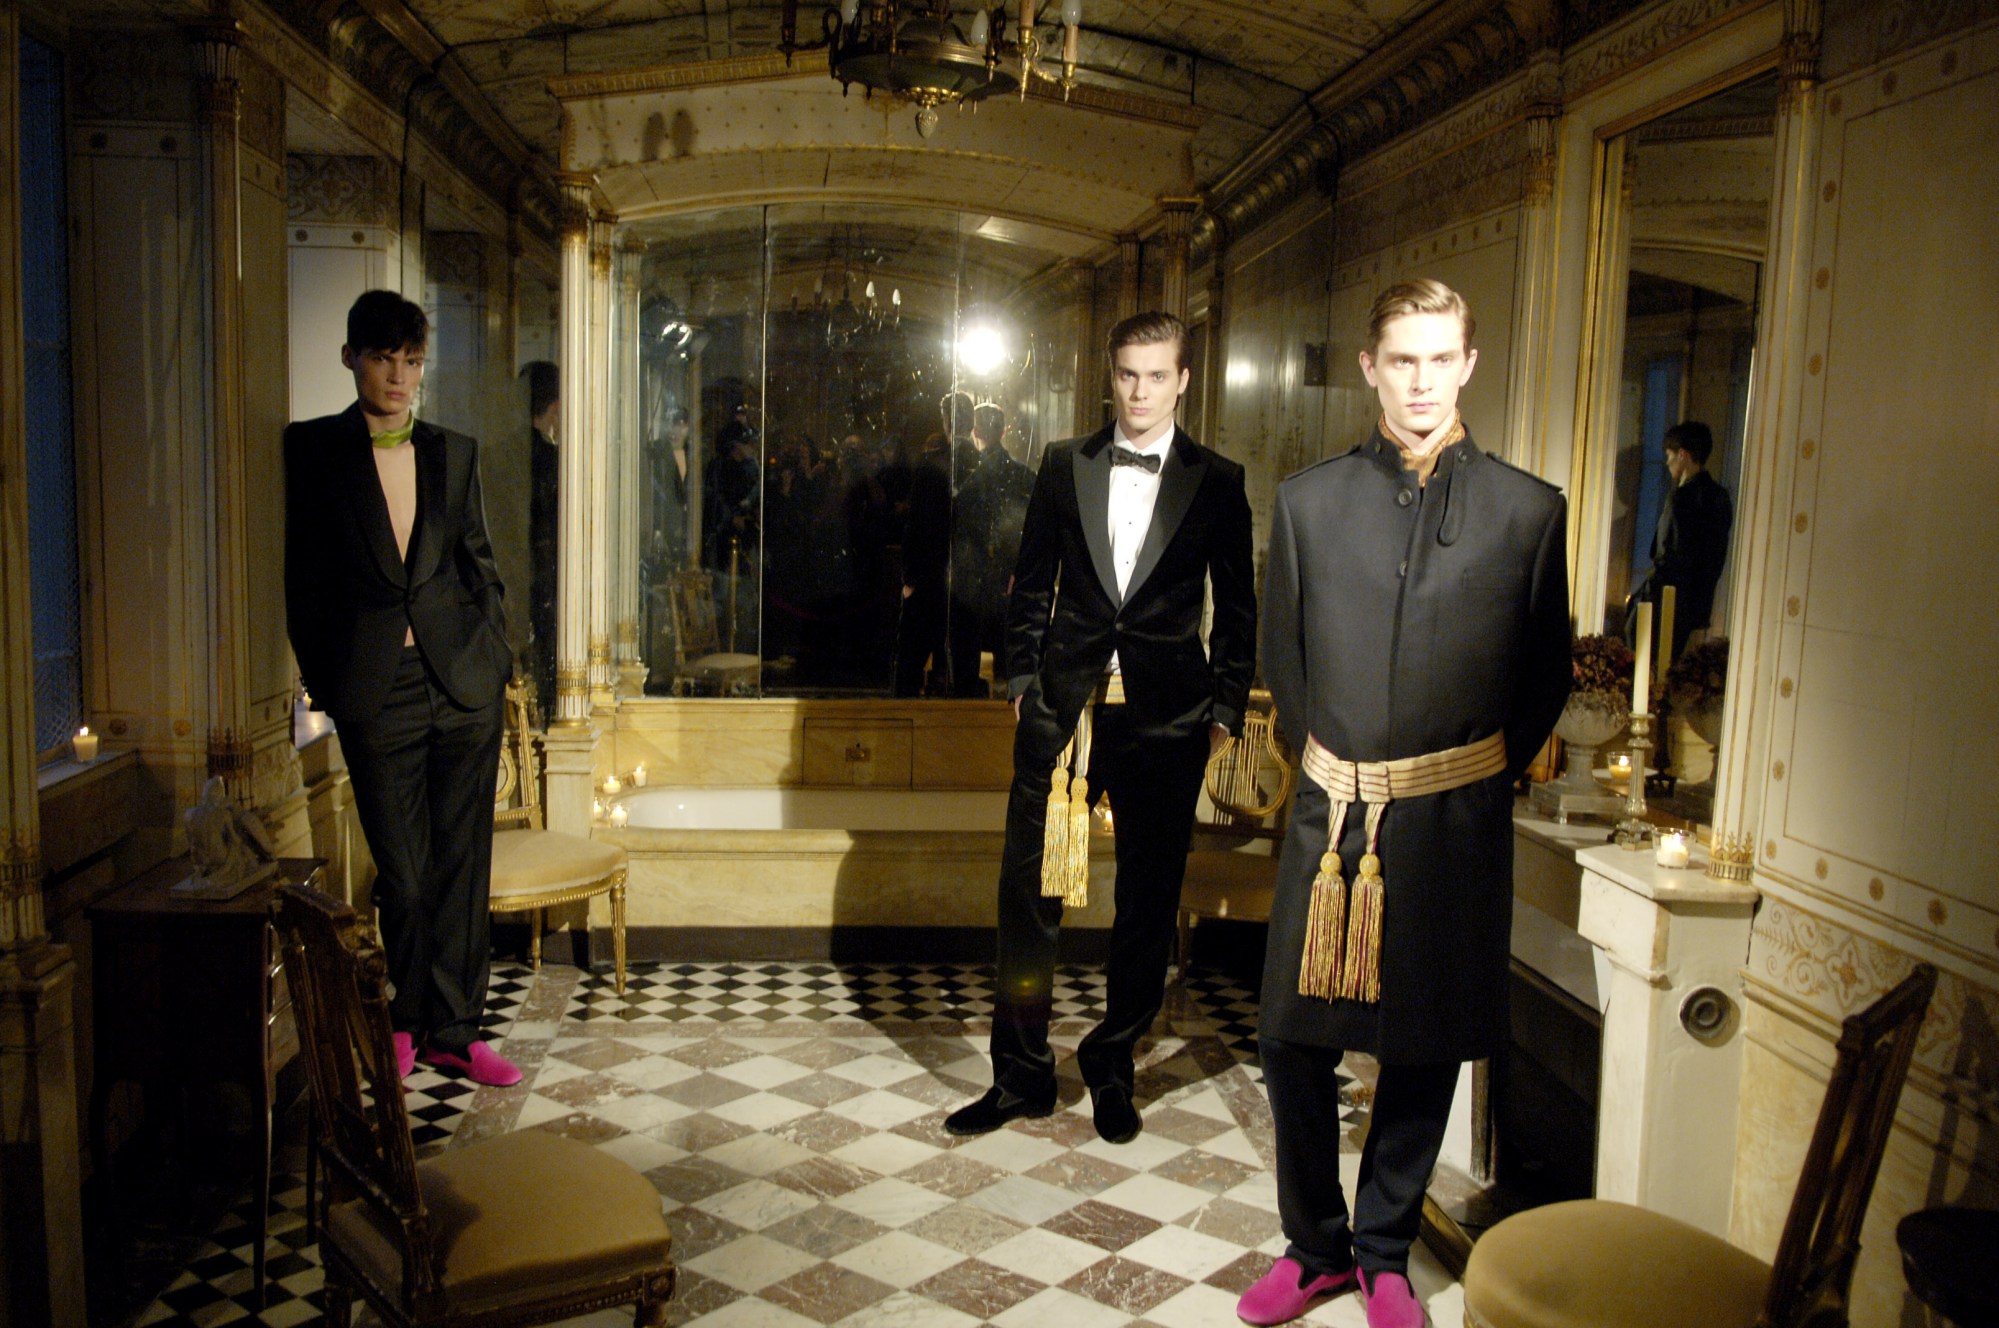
1055, 833
1361, 980
1077, 893
1319, 964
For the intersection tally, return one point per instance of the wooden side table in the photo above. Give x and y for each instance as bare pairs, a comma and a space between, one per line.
193, 991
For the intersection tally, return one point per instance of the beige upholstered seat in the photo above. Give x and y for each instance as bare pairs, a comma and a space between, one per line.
701, 664
1594, 1264
525, 1228
1232, 870
535, 868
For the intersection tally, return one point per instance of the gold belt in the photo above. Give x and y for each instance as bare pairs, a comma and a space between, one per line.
1342, 956
1109, 690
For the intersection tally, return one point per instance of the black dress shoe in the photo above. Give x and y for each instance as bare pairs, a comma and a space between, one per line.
1117, 1119
993, 1110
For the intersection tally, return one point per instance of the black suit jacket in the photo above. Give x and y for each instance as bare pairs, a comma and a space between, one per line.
1065, 617
348, 597
1399, 621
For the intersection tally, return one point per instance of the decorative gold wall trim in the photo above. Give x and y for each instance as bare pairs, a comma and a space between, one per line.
1643, 38
1448, 133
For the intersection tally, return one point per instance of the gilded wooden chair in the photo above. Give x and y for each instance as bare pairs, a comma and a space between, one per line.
1591, 1263
535, 868
700, 662
1232, 868
521, 1229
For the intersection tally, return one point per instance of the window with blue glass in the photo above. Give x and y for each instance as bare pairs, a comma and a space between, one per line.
52, 541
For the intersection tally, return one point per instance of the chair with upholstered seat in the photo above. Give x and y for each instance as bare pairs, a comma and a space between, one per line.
701, 663
524, 1228
535, 868
1591, 1263
1232, 868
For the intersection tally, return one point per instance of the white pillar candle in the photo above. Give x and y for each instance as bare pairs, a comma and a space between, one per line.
639, 775
1671, 850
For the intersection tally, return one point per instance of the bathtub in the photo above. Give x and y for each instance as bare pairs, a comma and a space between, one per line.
787, 872
862, 810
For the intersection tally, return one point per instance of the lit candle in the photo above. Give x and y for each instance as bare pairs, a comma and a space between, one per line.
1666, 598
1620, 767
84, 745
639, 775
1671, 850
619, 816
1641, 676
611, 785
596, 809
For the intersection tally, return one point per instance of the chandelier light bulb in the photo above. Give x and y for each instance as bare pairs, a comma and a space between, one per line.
871, 290
1072, 13
848, 9
981, 349
981, 28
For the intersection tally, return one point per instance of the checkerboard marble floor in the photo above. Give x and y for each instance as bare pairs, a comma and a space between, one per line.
791, 1117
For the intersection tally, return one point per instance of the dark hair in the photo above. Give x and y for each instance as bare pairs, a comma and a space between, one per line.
1693, 438
544, 385
1424, 295
989, 422
1149, 329
957, 409
383, 320
678, 415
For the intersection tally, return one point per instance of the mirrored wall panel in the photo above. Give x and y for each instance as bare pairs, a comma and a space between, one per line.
827, 427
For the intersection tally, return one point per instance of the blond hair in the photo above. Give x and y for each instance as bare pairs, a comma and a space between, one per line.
1425, 295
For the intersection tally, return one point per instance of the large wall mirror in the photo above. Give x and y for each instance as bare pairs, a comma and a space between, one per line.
827, 426
1683, 222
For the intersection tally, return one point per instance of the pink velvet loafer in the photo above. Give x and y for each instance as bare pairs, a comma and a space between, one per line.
405, 1055
1284, 1293
1391, 1303
480, 1063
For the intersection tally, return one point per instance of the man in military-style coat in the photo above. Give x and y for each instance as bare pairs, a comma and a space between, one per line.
1416, 640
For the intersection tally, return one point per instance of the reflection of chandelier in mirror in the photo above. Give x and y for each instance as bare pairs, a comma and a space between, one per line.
664, 330
983, 344
917, 52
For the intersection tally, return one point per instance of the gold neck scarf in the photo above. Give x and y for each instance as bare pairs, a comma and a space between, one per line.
1423, 464
395, 437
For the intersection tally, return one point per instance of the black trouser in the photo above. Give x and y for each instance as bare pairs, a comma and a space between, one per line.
423, 772
919, 638
1412, 1105
1153, 786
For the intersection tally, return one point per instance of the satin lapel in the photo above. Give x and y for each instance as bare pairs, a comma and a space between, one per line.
1092, 468
364, 489
427, 539
1179, 481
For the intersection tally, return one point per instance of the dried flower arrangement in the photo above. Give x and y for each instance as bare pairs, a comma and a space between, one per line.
1603, 667
1699, 677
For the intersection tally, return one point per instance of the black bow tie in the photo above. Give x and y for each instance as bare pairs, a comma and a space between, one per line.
1124, 456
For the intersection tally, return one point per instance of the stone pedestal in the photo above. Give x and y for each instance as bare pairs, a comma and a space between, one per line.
1670, 949
41, 1208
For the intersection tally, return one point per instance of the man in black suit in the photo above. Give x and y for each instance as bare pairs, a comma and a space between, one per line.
394, 609
1691, 542
985, 540
1416, 641
1124, 530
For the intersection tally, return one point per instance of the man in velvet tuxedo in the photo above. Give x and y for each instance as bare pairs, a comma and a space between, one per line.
394, 607
1123, 532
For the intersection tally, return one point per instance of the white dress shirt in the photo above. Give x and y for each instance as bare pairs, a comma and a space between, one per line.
1134, 492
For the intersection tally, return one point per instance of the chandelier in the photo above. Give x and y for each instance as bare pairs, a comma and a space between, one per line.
921, 53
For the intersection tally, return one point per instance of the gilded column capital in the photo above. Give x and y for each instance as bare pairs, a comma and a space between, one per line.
1798, 58
21, 923
218, 57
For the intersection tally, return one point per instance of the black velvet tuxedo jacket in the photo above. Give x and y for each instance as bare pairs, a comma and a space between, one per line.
349, 597
1065, 616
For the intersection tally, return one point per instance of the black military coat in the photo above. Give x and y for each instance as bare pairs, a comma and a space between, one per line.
1401, 620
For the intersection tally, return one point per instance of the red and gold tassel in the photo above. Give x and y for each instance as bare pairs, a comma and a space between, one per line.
1319, 964
1361, 978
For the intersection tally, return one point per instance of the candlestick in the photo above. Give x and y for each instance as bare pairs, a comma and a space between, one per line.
84, 745
1671, 850
1667, 597
1634, 831
1641, 676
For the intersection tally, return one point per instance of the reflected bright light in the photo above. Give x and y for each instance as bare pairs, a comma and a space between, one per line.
981, 349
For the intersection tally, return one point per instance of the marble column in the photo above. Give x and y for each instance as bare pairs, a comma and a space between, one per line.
1175, 236
218, 62
41, 1280
1215, 369
1130, 252
595, 439
572, 633
629, 493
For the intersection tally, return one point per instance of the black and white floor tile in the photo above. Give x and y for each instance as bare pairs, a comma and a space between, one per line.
790, 1116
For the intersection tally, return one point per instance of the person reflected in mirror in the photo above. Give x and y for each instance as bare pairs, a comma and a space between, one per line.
956, 411
393, 605
1690, 544
544, 469
985, 539
1125, 531
734, 526
920, 661
1416, 642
